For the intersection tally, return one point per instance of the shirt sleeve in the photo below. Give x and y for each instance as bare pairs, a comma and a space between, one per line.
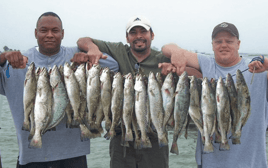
109, 62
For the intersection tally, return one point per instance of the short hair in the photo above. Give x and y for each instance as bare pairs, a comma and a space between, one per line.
49, 14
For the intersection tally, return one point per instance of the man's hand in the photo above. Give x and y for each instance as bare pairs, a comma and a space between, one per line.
179, 62
15, 59
259, 67
91, 56
166, 68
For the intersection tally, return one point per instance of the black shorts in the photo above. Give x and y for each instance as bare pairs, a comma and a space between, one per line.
77, 162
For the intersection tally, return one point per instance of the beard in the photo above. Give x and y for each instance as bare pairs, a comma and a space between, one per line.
139, 49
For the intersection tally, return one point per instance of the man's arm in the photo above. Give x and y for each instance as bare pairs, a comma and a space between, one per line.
93, 54
180, 58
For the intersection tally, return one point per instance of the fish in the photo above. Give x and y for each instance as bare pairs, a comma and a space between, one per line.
181, 107
243, 105
60, 97
167, 90
156, 109
42, 108
194, 107
128, 105
80, 75
223, 113
68, 110
116, 103
137, 142
159, 79
141, 110
106, 96
208, 107
73, 91
235, 113
93, 94
29, 93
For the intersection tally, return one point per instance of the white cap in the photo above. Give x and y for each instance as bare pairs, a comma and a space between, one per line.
138, 21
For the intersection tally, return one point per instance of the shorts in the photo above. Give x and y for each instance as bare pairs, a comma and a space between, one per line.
77, 162
154, 157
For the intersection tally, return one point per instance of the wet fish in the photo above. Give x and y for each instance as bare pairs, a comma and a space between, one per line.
106, 96
128, 105
93, 94
80, 75
243, 105
73, 91
29, 93
60, 97
156, 109
208, 107
194, 108
117, 103
167, 90
159, 79
223, 113
42, 108
141, 110
181, 107
235, 113
68, 110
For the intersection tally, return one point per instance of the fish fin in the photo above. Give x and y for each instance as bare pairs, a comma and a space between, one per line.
224, 146
174, 148
163, 141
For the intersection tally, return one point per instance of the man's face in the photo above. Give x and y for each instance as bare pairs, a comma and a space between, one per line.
140, 39
225, 47
49, 34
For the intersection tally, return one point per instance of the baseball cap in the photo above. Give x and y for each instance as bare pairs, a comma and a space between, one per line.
138, 21
225, 26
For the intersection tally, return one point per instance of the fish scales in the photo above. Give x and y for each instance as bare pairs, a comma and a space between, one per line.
223, 113
42, 108
29, 93
208, 107
117, 103
243, 105
141, 110
181, 107
93, 94
156, 109
128, 105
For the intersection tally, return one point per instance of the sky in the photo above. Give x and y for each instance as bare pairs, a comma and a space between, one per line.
188, 23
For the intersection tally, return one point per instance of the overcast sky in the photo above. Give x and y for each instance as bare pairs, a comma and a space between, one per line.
189, 23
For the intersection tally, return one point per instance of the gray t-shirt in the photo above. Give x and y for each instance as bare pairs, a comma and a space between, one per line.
251, 153
56, 145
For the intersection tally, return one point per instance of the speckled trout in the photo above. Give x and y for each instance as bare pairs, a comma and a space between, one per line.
29, 93
42, 108
181, 107
223, 113
156, 109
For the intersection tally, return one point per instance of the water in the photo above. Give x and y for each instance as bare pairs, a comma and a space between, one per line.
99, 156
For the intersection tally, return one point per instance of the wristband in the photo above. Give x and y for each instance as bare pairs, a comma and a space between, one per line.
261, 59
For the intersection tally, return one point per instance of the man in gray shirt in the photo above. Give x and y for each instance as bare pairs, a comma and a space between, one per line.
251, 152
60, 148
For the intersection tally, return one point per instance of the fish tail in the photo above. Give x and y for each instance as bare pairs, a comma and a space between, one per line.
224, 146
137, 144
36, 142
236, 137
162, 141
129, 135
93, 127
174, 148
124, 143
208, 148
26, 126
107, 136
146, 143
108, 124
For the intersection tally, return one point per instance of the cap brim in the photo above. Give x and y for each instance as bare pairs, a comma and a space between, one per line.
139, 24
